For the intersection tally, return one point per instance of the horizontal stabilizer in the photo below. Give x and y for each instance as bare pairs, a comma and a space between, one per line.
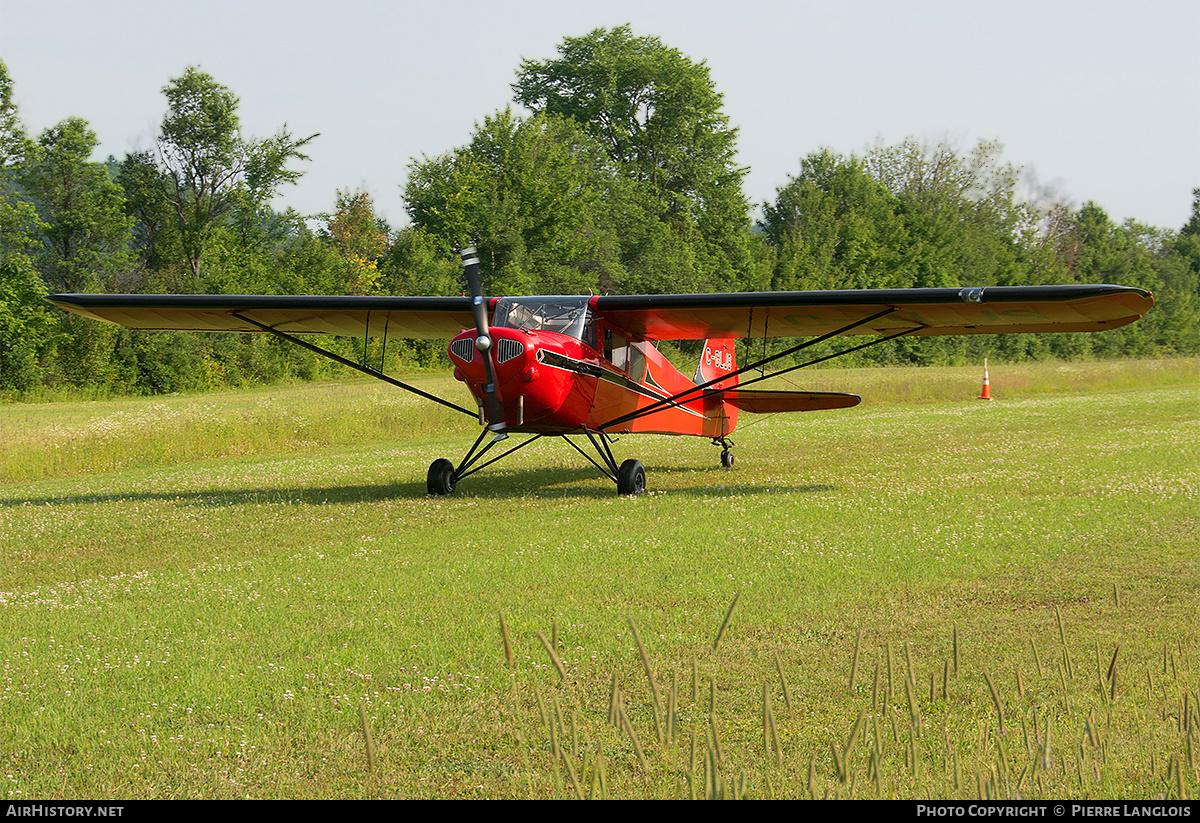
772, 402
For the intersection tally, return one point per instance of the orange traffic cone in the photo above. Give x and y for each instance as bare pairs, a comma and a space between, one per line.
987, 387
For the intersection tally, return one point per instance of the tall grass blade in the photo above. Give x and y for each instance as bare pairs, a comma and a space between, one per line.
571, 774
855, 731
1047, 760
957, 658
672, 709
771, 742
725, 622
995, 700
914, 711
766, 722
562, 672
613, 716
633, 738
508, 651
854, 659
716, 737
711, 766
1112, 673
787, 694
891, 693
366, 733
839, 764
645, 658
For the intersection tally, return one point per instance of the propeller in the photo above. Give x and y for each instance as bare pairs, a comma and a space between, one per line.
483, 342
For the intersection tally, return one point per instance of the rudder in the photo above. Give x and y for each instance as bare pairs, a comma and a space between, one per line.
716, 360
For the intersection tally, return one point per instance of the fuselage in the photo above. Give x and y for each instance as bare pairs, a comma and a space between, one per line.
559, 370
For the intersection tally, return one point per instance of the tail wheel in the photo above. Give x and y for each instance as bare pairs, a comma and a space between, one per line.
631, 479
440, 480
726, 459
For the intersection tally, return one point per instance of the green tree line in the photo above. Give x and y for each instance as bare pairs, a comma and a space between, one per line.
622, 178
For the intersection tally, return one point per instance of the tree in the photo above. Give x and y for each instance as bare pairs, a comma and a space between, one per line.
361, 239
961, 209
23, 322
659, 118
211, 170
1136, 255
14, 145
418, 265
155, 227
86, 236
655, 111
24, 327
529, 194
836, 227
1187, 244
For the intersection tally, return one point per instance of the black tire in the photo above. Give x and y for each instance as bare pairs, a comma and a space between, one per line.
726, 459
631, 479
440, 480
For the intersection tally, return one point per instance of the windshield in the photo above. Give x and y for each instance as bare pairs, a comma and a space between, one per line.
565, 315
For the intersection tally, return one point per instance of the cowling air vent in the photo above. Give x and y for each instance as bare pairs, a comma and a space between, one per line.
463, 349
508, 349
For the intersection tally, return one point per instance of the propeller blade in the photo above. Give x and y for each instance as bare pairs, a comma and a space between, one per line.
483, 341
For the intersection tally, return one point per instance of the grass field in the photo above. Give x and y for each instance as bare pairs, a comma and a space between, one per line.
926, 596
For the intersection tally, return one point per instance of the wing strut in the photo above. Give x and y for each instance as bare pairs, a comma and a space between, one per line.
378, 375
670, 401
850, 350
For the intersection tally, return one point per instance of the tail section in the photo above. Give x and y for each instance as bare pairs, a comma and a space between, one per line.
717, 360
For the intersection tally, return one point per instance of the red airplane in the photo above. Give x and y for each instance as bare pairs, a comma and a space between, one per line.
587, 366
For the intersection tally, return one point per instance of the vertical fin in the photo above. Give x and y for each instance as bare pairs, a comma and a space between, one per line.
717, 359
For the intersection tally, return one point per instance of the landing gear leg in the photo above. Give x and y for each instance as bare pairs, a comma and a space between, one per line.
726, 452
630, 476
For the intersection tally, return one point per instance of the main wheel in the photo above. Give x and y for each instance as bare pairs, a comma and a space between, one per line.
631, 479
726, 459
440, 480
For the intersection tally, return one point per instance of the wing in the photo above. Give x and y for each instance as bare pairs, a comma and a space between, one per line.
426, 317
991, 310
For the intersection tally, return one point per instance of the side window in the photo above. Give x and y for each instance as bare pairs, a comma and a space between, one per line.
616, 349
637, 361
626, 356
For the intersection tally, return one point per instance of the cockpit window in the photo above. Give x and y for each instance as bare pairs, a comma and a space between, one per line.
566, 315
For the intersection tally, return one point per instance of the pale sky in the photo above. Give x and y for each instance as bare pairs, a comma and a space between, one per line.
1101, 99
